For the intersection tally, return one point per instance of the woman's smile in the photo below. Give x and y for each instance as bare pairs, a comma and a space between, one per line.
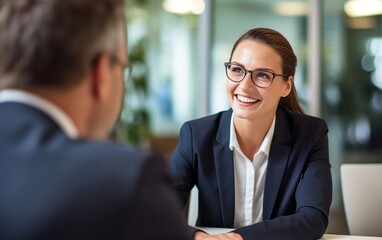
245, 100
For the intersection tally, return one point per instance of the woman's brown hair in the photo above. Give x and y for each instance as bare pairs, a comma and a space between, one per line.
281, 45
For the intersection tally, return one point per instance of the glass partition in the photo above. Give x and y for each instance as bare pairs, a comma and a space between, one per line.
351, 91
166, 43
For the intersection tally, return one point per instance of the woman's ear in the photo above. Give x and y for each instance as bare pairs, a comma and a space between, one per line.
288, 86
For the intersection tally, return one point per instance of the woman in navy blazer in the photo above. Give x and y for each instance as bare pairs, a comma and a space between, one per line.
287, 192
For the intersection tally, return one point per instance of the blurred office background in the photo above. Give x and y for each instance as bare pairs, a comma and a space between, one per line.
178, 47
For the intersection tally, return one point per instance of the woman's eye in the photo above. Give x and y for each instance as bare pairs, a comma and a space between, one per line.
263, 75
237, 69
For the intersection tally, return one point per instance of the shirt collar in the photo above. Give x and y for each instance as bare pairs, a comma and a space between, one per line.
265, 145
49, 108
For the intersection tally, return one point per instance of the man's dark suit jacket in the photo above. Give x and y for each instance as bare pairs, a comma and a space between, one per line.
53, 187
298, 186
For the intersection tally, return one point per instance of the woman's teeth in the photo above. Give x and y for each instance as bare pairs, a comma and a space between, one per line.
246, 99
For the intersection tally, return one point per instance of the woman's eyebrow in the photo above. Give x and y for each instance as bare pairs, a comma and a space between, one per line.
256, 69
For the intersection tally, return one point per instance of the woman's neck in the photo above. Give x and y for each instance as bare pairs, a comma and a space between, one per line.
250, 133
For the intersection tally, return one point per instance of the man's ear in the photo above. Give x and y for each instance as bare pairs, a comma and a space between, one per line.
99, 77
288, 86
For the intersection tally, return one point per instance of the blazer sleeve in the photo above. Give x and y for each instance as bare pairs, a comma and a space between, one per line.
181, 164
155, 205
181, 168
312, 195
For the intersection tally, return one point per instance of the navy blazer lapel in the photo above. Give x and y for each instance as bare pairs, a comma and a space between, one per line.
277, 162
224, 170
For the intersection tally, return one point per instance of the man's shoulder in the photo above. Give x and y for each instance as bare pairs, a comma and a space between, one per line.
111, 165
109, 153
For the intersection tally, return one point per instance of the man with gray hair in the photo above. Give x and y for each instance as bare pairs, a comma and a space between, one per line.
61, 89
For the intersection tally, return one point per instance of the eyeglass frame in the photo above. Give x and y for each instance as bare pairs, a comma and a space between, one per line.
127, 68
274, 75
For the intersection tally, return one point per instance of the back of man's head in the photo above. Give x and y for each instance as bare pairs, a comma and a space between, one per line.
52, 43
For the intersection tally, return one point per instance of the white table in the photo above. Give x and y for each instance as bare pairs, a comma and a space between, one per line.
325, 237
345, 237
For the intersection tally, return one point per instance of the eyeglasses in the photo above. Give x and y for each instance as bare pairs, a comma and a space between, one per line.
261, 78
127, 68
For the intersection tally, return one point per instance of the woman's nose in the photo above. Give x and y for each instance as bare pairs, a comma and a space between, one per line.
247, 83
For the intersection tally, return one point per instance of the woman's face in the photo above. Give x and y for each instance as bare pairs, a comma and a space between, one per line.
246, 99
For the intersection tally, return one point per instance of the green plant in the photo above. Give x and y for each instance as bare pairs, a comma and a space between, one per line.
135, 115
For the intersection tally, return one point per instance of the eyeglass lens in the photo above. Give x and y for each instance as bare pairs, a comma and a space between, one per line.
237, 73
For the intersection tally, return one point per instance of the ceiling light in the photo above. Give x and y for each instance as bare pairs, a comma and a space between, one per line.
184, 6
291, 8
361, 8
